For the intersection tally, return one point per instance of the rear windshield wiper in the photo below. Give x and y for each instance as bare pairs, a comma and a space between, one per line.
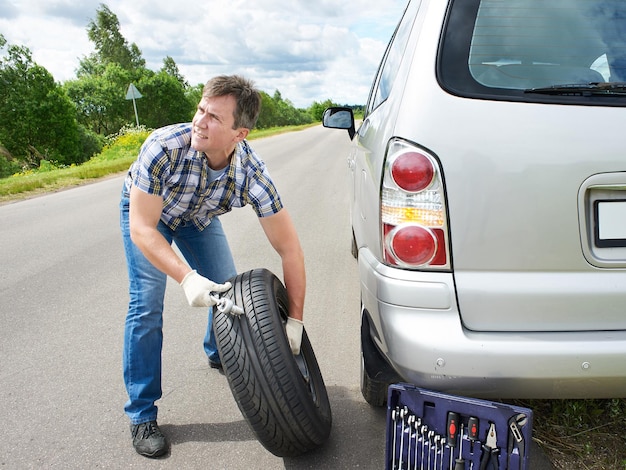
582, 89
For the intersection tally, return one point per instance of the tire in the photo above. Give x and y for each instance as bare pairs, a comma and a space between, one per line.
282, 397
374, 392
354, 250
376, 373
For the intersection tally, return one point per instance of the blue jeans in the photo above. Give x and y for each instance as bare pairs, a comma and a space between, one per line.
206, 251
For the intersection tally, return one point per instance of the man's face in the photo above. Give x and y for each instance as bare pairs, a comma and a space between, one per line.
213, 131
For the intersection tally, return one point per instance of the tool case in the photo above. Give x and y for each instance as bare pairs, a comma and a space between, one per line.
428, 430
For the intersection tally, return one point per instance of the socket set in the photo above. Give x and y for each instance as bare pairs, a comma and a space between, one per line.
428, 430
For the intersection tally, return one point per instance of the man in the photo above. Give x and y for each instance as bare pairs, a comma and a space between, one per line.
185, 176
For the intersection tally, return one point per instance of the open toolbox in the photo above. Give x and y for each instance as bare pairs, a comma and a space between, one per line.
428, 430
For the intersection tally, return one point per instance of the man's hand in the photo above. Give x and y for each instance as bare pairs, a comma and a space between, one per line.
198, 289
294, 334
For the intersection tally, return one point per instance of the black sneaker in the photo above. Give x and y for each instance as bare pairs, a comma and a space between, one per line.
148, 439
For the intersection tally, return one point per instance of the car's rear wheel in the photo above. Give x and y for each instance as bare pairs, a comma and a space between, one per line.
282, 396
374, 392
354, 249
376, 373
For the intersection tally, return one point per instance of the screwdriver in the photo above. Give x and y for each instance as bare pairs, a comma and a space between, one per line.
459, 464
472, 431
451, 433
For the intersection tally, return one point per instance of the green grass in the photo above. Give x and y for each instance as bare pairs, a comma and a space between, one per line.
34, 182
581, 434
115, 158
260, 133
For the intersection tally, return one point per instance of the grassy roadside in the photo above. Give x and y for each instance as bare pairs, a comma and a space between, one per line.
580, 434
115, 158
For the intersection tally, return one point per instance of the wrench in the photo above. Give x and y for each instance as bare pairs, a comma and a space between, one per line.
431, 435
516, 438
403, 414
409, 422
394, 414
225, 305
417, 424
424, 430
443, 450
437, 439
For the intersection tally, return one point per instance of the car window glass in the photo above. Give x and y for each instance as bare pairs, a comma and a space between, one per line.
391, 60
534, 43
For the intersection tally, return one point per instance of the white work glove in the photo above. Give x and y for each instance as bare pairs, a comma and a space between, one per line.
294, 334
198, 289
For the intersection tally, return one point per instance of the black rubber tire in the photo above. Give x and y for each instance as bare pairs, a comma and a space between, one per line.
354, 250
282, 397
376, 373
374, 392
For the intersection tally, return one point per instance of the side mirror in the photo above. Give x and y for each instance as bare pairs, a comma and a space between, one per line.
339, 118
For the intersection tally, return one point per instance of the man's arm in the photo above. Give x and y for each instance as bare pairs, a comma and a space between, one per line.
282, 235
145, 213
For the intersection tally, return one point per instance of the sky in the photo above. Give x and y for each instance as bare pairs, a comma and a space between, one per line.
309, 50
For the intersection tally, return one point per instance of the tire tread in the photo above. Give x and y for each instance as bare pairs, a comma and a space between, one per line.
262, 373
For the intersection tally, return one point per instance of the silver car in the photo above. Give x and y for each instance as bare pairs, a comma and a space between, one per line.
488, 183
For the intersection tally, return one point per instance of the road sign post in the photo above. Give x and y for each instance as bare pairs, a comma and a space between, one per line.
133, 94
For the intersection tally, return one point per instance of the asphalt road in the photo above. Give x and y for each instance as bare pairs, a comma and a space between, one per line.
63, 297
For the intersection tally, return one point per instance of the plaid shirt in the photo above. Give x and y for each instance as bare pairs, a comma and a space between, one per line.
167, 166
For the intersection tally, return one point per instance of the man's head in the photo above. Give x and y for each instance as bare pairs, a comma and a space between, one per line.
228, 109
247, 97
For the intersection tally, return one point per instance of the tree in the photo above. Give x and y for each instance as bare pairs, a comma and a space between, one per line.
111, 47
170, 68
316, 110
194, 95
103, 77
100, 99
267, 117
99, 91
37, 119
164, 101
275, 111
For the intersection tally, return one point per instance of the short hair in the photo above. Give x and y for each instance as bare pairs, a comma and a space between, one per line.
246, 95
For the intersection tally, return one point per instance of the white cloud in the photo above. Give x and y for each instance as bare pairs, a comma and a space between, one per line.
310, 51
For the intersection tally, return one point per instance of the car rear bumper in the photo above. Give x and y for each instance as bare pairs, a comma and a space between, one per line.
416, 325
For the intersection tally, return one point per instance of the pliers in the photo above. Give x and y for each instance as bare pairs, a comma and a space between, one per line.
489, 459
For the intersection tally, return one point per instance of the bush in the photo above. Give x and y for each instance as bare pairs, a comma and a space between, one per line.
91, 143
128, 138
8, 167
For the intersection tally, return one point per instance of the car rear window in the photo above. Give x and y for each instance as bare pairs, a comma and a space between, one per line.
536, 50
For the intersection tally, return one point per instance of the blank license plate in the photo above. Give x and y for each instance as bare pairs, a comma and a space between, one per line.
610, 223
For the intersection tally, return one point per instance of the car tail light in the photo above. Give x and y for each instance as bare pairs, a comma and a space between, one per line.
413, 211
412, 171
